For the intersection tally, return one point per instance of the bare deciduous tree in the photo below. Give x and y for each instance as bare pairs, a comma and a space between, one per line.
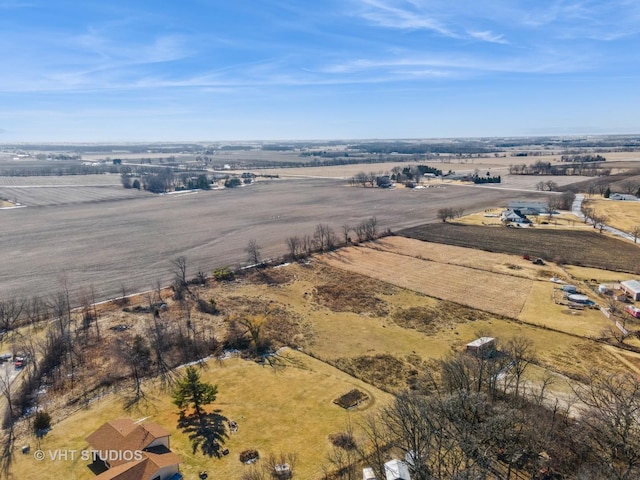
324, 237
345, 232
180, 270
629, 186
520, 351
294, 244
254, 256
611, 423
10, 311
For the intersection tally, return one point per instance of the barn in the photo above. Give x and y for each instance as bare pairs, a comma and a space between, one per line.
631, 288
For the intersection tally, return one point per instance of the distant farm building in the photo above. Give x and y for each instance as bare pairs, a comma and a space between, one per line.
631, 288
514, 216
623, 196
529, 208
483, 346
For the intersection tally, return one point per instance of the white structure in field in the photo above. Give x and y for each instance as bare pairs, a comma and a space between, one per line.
367, 474
482, 346
631, 288
396, 470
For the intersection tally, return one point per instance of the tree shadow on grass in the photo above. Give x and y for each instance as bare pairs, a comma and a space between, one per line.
279, 361
206, 432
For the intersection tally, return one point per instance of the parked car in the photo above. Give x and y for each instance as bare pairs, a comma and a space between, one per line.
19, 362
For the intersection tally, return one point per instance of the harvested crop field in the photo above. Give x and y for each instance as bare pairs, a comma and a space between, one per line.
466, 257
492, 292
575, 247
132, 242
64, 195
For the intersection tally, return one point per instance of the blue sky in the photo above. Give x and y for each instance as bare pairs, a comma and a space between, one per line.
300, 69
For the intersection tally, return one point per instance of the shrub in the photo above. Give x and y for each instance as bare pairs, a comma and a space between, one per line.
249, 456
42, 422
223, 274
343, 440
209, 307
232, 183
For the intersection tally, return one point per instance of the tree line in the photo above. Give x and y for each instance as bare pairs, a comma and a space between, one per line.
324, 238
591, 169
477, 416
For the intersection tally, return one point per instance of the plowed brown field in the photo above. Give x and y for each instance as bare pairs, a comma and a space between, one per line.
467, 257
493, 292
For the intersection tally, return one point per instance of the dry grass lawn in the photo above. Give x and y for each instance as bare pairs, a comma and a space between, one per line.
286, 410
540, 309
601, 276
563, 220
467, 257
622, 215
291, 409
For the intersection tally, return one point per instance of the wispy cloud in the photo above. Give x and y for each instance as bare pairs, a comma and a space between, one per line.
409, 16
434, 16
461, 65
161, 48
488, 36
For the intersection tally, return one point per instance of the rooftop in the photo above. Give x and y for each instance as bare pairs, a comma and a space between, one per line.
632, 284
481, 341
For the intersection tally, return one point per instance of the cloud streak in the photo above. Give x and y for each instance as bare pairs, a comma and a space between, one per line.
82, 56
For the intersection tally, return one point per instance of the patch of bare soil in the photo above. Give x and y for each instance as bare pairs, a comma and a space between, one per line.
338, 299
351, 399
385, 371
349, 292
574, 247
430, 320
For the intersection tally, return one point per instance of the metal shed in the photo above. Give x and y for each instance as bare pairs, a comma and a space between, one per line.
631, 288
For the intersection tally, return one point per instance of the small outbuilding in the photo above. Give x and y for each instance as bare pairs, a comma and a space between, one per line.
623, 196
482, 346
631, 288
396, 470
367, 474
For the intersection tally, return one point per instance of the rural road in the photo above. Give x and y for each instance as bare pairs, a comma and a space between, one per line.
576, 209
131, 242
